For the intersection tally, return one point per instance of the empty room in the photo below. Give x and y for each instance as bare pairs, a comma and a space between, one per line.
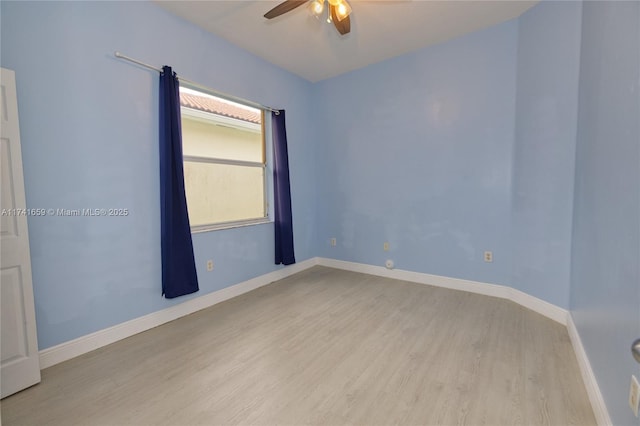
322, 212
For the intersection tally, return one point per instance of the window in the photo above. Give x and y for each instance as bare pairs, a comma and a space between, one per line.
224, 161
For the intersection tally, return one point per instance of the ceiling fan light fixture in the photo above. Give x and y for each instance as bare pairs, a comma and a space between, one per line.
317, 7
342, 10
337, 11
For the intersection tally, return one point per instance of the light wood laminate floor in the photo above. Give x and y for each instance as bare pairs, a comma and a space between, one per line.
325, 347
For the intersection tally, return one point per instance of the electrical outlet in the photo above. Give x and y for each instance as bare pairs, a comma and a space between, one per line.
634, 395
333, 242
209, 265
488, 256
385, 246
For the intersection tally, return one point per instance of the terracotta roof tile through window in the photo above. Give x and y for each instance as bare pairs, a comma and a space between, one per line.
214, 106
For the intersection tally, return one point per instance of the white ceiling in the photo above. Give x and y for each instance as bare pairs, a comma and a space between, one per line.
313, 49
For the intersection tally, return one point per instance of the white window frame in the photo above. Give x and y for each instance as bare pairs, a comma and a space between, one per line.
265, 165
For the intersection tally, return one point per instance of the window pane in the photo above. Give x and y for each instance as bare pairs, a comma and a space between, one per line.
206, 139
223, 193
216, 129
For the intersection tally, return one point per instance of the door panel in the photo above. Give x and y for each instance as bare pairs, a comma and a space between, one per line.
19, 361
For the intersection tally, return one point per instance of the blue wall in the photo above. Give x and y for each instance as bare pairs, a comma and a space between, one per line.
456, 149
605, 279
89, 140
445, 153
544, 149
417, 152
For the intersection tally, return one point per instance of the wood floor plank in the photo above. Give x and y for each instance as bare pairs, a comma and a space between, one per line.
324, 347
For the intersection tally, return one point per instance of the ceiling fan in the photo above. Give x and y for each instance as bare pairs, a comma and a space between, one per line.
338, 11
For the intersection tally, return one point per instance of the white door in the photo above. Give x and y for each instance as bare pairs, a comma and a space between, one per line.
19, 365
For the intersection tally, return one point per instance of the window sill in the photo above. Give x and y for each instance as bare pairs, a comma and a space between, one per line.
229, 225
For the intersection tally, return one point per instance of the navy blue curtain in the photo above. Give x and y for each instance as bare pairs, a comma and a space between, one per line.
282, 192
178, 263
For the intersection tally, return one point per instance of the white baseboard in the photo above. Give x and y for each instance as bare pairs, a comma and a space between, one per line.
540, 306
81, 345
530, 302
590, 383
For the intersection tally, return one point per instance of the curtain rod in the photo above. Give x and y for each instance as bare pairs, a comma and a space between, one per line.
197, 85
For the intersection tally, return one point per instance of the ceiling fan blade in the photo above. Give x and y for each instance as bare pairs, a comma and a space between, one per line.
284, 7
344, 26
